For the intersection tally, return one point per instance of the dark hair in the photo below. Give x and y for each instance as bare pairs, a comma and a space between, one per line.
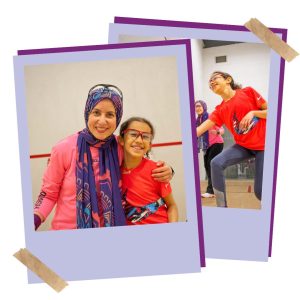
125, 125
234, 85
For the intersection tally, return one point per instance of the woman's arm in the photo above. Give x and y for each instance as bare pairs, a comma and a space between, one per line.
204, 127
52, 182
163, 172
172, 209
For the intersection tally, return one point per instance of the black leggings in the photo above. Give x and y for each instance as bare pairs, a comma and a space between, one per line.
210, 153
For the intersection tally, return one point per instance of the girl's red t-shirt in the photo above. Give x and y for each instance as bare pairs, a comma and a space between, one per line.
141, 189
232, 112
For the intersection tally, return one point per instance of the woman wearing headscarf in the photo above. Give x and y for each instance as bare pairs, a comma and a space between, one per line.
244, 112
211, 143
83, 175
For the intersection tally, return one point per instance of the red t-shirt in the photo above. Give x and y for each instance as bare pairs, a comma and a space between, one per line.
231, 113
141, 189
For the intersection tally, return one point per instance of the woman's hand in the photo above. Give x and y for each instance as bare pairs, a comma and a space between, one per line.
37, 221
214, 131
246, 121
163, 172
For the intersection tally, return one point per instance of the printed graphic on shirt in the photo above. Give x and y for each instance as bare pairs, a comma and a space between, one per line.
40, 199
236, 125
135, 213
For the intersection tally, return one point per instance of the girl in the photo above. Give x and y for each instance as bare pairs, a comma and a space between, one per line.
83, 176
211, 143
146, 201
244, 112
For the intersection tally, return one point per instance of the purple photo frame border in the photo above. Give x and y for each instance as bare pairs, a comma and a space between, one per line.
282, 31
103, 47
184, 24
185, 42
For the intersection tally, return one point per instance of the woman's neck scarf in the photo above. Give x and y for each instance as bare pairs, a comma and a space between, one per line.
87, 208
202, 140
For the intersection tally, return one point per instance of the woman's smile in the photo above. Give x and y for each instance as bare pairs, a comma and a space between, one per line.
102, 120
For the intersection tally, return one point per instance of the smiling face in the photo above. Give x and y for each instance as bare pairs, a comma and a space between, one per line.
199, 109
218, 84
102, 121
136, 146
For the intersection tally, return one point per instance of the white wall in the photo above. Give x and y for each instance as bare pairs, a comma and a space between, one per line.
197, 59
56, 95
248, 63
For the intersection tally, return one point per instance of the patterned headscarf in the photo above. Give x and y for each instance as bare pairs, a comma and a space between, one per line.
203, 140
87, 208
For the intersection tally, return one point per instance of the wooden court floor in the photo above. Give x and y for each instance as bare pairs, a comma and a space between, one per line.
240, 194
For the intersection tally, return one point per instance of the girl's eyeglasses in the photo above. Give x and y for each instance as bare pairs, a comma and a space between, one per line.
214, 78
134, 134
108, 87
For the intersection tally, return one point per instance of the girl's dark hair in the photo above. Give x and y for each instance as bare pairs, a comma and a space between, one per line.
234, 85
125, 125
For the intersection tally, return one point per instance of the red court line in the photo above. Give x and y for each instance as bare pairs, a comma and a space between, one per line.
167, 144
40, 155
154, 145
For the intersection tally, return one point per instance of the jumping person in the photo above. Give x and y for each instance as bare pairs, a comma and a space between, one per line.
244, 112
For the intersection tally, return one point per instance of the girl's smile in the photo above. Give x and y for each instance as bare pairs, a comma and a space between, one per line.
137, 148
199, 109
137, 140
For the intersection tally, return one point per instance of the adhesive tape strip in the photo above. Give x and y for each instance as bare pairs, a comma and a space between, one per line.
40, 269
271, 39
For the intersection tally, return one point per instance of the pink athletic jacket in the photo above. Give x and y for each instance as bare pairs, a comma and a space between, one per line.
59, 183
215, 138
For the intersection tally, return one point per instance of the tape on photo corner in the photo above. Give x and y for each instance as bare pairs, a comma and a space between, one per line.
40, 269
271, 39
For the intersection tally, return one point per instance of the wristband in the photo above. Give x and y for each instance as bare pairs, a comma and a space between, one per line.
37, 221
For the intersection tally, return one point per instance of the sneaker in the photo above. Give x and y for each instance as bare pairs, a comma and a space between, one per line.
207, 195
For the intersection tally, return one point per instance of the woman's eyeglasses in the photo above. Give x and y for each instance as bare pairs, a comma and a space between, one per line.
108, 87
134, 134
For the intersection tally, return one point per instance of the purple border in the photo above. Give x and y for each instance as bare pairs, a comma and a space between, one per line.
183, 24
195, 152
185, 42
103, 47
280, 97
